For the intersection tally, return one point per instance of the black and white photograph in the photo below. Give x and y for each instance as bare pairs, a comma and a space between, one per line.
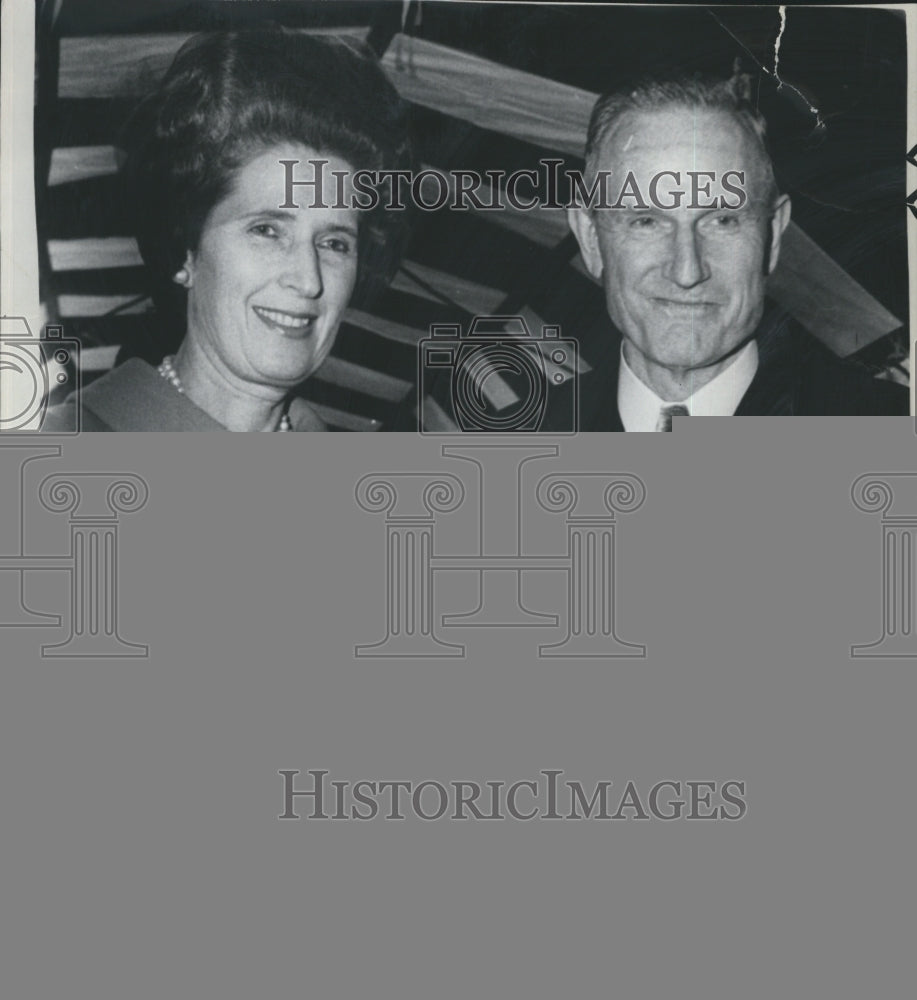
460, 217
480, 698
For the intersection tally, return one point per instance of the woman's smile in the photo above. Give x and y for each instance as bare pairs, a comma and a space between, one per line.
288, 324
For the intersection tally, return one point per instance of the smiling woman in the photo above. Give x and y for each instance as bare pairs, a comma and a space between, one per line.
267, 289
258, 290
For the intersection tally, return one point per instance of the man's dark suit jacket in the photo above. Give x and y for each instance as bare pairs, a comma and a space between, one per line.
798, 377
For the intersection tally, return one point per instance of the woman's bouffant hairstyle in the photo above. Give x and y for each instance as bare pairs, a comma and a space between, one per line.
229, 95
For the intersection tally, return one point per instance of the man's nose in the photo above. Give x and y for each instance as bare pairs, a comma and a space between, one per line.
686, 265
303, 272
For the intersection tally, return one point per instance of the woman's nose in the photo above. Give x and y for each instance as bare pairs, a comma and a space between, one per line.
303, 273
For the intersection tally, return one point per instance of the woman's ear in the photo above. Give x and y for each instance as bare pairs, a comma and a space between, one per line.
583, 227
184, 276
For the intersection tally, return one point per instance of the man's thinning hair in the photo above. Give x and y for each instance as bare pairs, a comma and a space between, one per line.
690, 92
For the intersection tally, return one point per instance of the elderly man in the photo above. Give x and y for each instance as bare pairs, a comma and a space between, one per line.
683, 254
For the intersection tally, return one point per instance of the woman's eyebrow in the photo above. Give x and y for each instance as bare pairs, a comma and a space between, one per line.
283, 214
270, 213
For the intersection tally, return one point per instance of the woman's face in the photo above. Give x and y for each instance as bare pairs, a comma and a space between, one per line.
268, 286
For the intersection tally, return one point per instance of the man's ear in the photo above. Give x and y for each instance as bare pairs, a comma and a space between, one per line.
583, 226
780, 219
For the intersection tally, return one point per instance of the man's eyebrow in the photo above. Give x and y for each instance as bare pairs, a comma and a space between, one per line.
637, 209
745, 209
343, 227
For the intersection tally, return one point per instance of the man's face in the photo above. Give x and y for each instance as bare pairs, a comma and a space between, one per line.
685, 285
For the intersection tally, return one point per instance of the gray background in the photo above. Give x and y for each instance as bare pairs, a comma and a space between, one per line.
142, 854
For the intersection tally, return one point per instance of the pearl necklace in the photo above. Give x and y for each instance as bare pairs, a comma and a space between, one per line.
168, 372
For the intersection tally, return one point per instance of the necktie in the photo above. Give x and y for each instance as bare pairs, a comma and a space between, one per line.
664, 423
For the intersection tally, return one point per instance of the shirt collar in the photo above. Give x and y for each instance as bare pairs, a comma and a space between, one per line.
639, 406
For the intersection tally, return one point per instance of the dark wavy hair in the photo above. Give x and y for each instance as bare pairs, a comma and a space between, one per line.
227, 96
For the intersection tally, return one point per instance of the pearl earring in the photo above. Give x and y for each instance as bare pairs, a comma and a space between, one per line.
182, 277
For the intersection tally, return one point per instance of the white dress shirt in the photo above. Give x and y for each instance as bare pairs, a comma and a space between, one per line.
639, 406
